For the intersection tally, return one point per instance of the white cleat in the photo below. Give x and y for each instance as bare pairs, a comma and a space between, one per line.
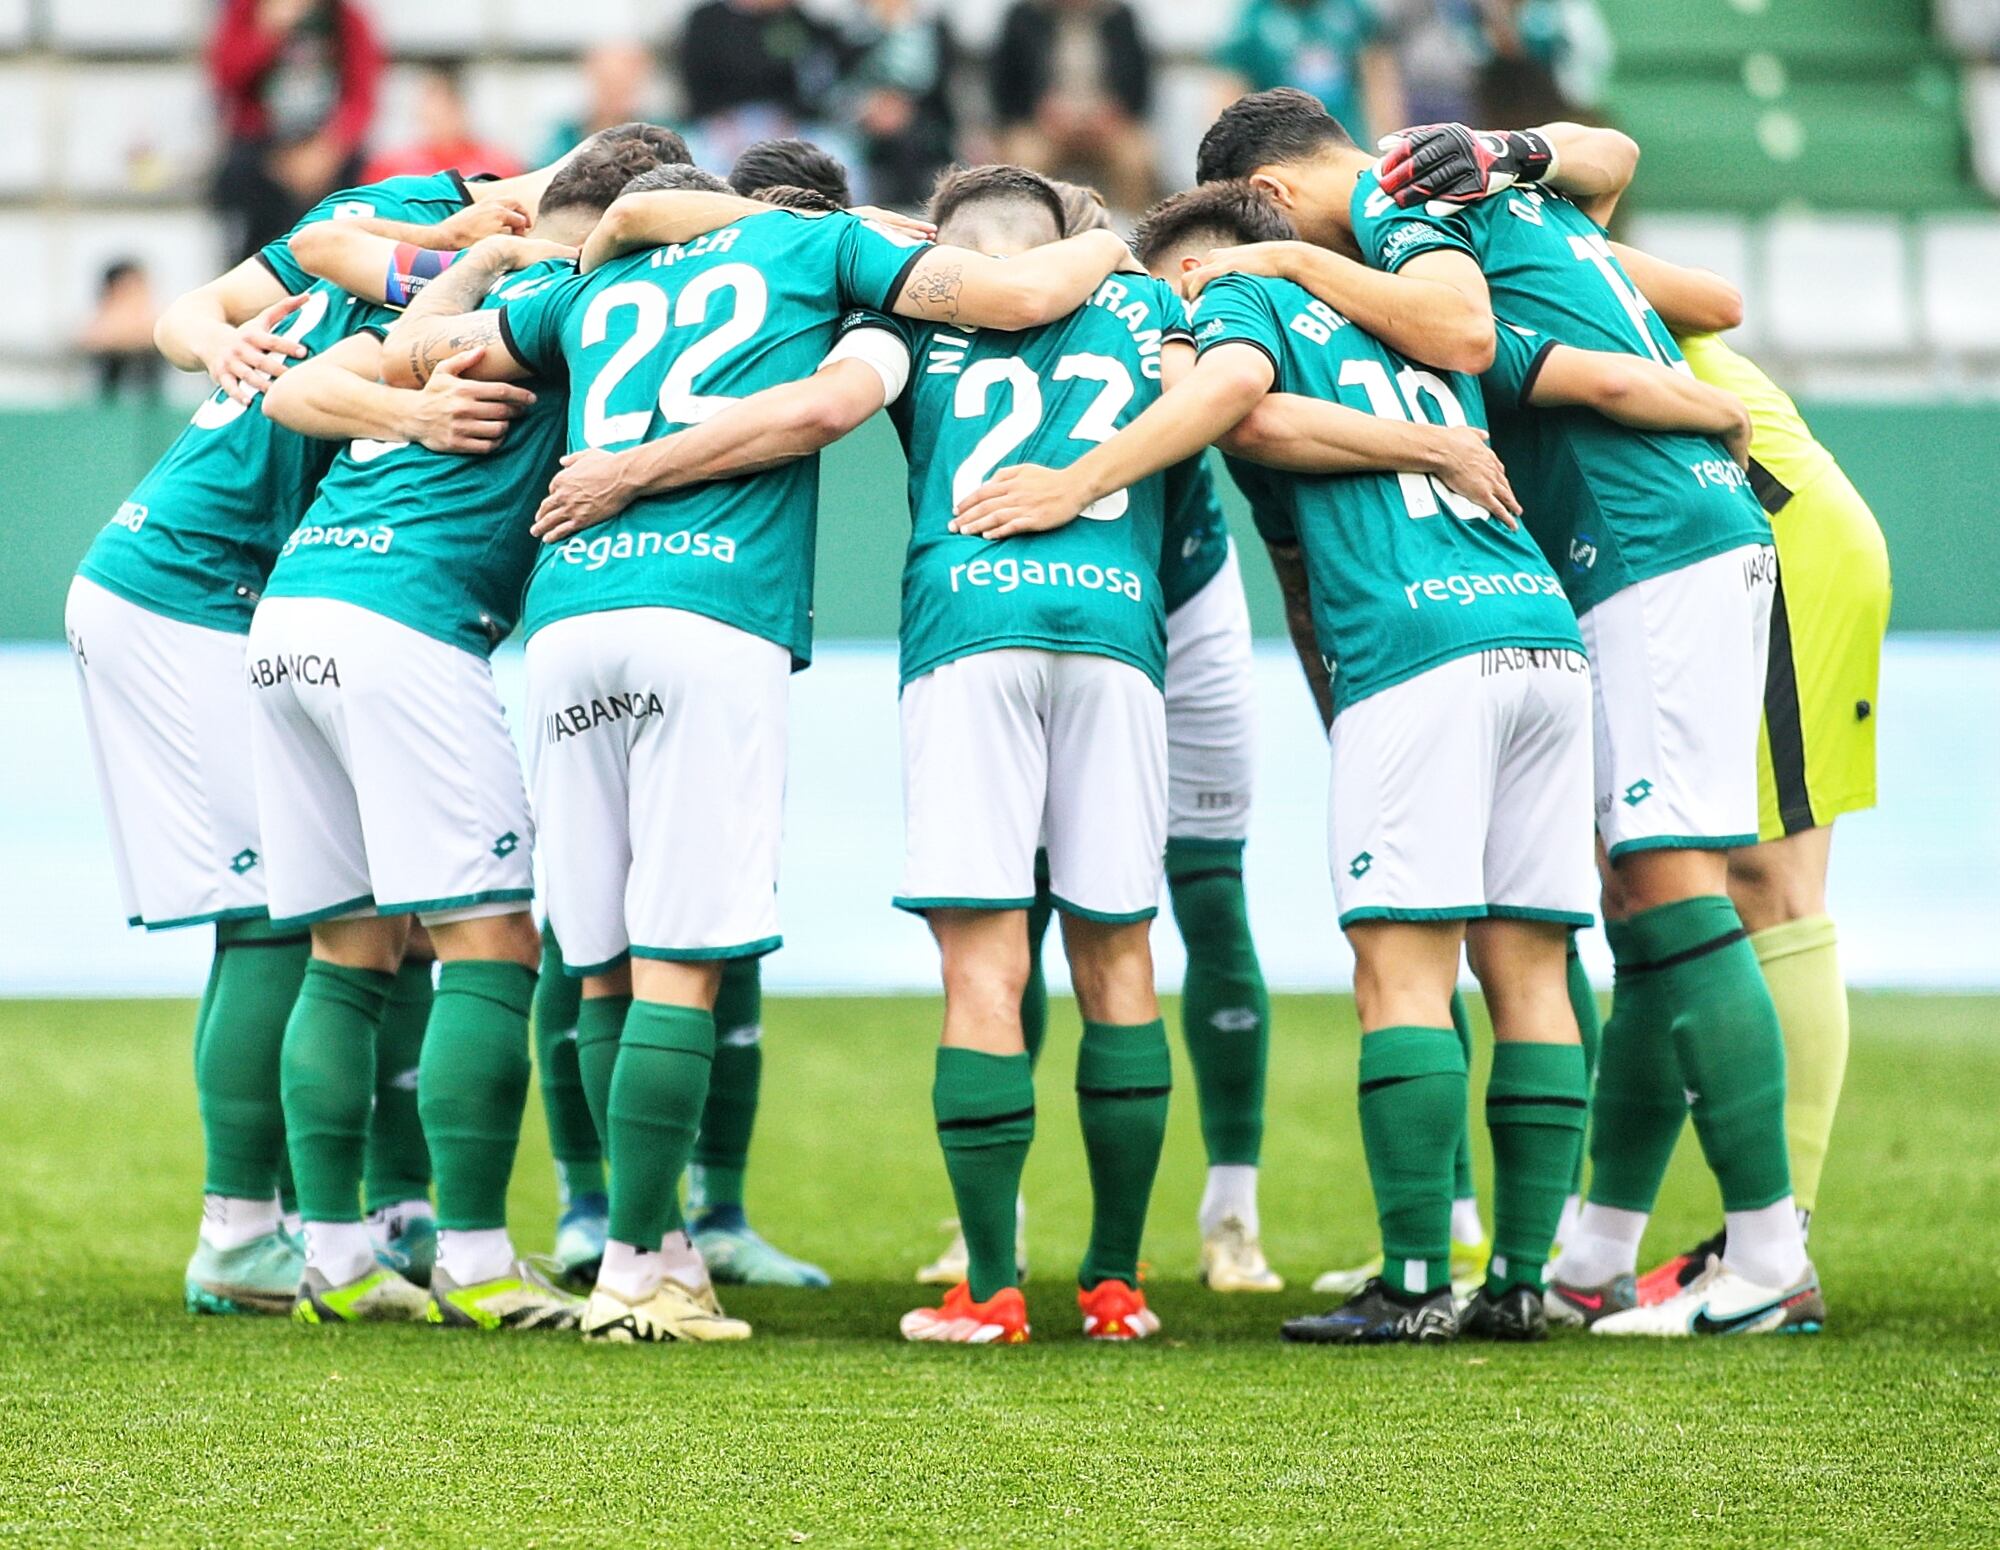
671, 1313
1722, 1301
1233, 1261
953, 1265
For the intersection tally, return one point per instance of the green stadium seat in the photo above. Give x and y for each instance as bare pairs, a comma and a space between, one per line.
1674, 39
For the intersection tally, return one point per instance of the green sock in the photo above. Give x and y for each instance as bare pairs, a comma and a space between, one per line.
1534, 1113
1412, 1105
657, 1090
1726, 1034
1123, 1077
722, 1149
473, 1086
1035, 999
1637, 1106
1225, 1009
1589, 1028
599, 1023
328, 1082
1462, 1187
985, 1108
252, 985
579, 1156
399, 1159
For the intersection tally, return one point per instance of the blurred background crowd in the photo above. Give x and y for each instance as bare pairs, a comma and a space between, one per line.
1835, 155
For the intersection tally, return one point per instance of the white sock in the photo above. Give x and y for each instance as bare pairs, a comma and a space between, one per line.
631, 1272
1566, 1223
1231, 1191
1766, 1245
1465, 1224
680, 1259
386, 1223
472, 1255
340, 1251
1605, 1245
229, 1222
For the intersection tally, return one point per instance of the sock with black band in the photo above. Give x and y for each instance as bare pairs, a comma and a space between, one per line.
722, 1148
1801, 964
399, 1159
1534, 1113
1124, 1074
600, 1020
1590, 1030
472, 1087
253, 985
657, 1090
328, 1083
1413, 1102
1464, 1193
1638, 1105
985, 1110
1225, 1007
573, 1138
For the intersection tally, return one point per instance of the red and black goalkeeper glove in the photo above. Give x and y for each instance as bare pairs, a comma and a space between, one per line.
1445, 167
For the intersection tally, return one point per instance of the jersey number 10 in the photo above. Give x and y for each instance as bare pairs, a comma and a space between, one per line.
1403, 400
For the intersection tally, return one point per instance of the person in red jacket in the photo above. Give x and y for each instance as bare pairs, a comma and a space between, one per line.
296, 83
445, 138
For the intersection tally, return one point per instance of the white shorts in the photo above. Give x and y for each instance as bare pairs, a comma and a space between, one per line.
1678, 663
1211, 712
1460, 793
1006, 747
169, 718
658, 763
387, 779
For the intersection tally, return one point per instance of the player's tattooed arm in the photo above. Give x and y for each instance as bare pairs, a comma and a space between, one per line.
338, 396
441, 324
664, 216
1642, 394
1223, 386
1289, 566
1689, 301
957, 285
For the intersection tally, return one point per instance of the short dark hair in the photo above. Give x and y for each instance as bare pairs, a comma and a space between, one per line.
668, 146
598, 172
1264, 128
791, 164
1234, 211
958, 187
786, 197
674, 178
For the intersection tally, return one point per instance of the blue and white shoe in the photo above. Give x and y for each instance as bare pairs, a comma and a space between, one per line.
1723, 1301
261, 1276
411, 1250
737, 1254
580, 1234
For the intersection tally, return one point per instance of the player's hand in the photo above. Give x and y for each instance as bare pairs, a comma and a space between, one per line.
252, 357
1273, 260
1445, 167
1468, 466
454, 413
589, 488
896, 221
1021, 499
485, 218
504, 254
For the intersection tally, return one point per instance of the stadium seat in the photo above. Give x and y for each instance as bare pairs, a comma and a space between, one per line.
1838, 286
16, 24
1970, 27
1862, 35
1723, 243
31, 242
519, 106
134, 131
180, 249
538, 27
27, 109
1982, 112
1960, 301
122, 27
461, 28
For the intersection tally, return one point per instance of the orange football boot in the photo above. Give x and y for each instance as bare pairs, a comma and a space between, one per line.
1000, 1320
1114, 1311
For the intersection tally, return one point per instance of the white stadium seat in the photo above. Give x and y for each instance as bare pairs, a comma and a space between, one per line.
16, 23
1838, 286
135, 131
1982, 115
551, 26
128, 26
462, 27
1723, 243
28, 323
1960, 261
180, 249
27, 127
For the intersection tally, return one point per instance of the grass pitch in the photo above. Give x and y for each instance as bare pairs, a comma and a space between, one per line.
124, 1420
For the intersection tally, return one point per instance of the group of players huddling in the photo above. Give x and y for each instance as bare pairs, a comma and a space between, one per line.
589, 400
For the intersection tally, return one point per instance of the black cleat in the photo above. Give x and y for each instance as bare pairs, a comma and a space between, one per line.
1378, 1315
1516, 1314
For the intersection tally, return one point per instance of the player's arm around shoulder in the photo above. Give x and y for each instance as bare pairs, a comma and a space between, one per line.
660, 218
1642, 394
443, 323
226, 328
339, 396
1689, 301
972, 290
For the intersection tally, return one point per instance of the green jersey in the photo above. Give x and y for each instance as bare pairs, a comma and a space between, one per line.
979, 401
422, 201
1197, 534
1404, 575
197, 538
1610, 506
664, 338
438, 541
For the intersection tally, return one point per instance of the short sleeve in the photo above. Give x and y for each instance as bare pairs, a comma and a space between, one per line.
872, 262
531, 326
1518, 356
1174, 324
1390, 236
1236, 310
392, 199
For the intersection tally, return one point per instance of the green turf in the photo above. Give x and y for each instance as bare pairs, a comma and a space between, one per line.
122, 1419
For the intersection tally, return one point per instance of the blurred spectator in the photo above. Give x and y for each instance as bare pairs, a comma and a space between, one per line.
1071, 82
1339, 50
1550, 59
900, 78
296, 80
118, 339
618, 89
755, 70
444, 134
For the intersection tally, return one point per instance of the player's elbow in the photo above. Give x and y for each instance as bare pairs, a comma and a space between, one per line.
1465, 342
313, 246
1725, 306
399, 363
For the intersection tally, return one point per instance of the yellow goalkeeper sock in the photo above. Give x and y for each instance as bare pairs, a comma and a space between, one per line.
1801, 963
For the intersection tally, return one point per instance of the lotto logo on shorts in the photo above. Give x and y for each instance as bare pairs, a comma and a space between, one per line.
575, 720
306, 667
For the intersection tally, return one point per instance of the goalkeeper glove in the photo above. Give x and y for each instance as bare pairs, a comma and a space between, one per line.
1445, 167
